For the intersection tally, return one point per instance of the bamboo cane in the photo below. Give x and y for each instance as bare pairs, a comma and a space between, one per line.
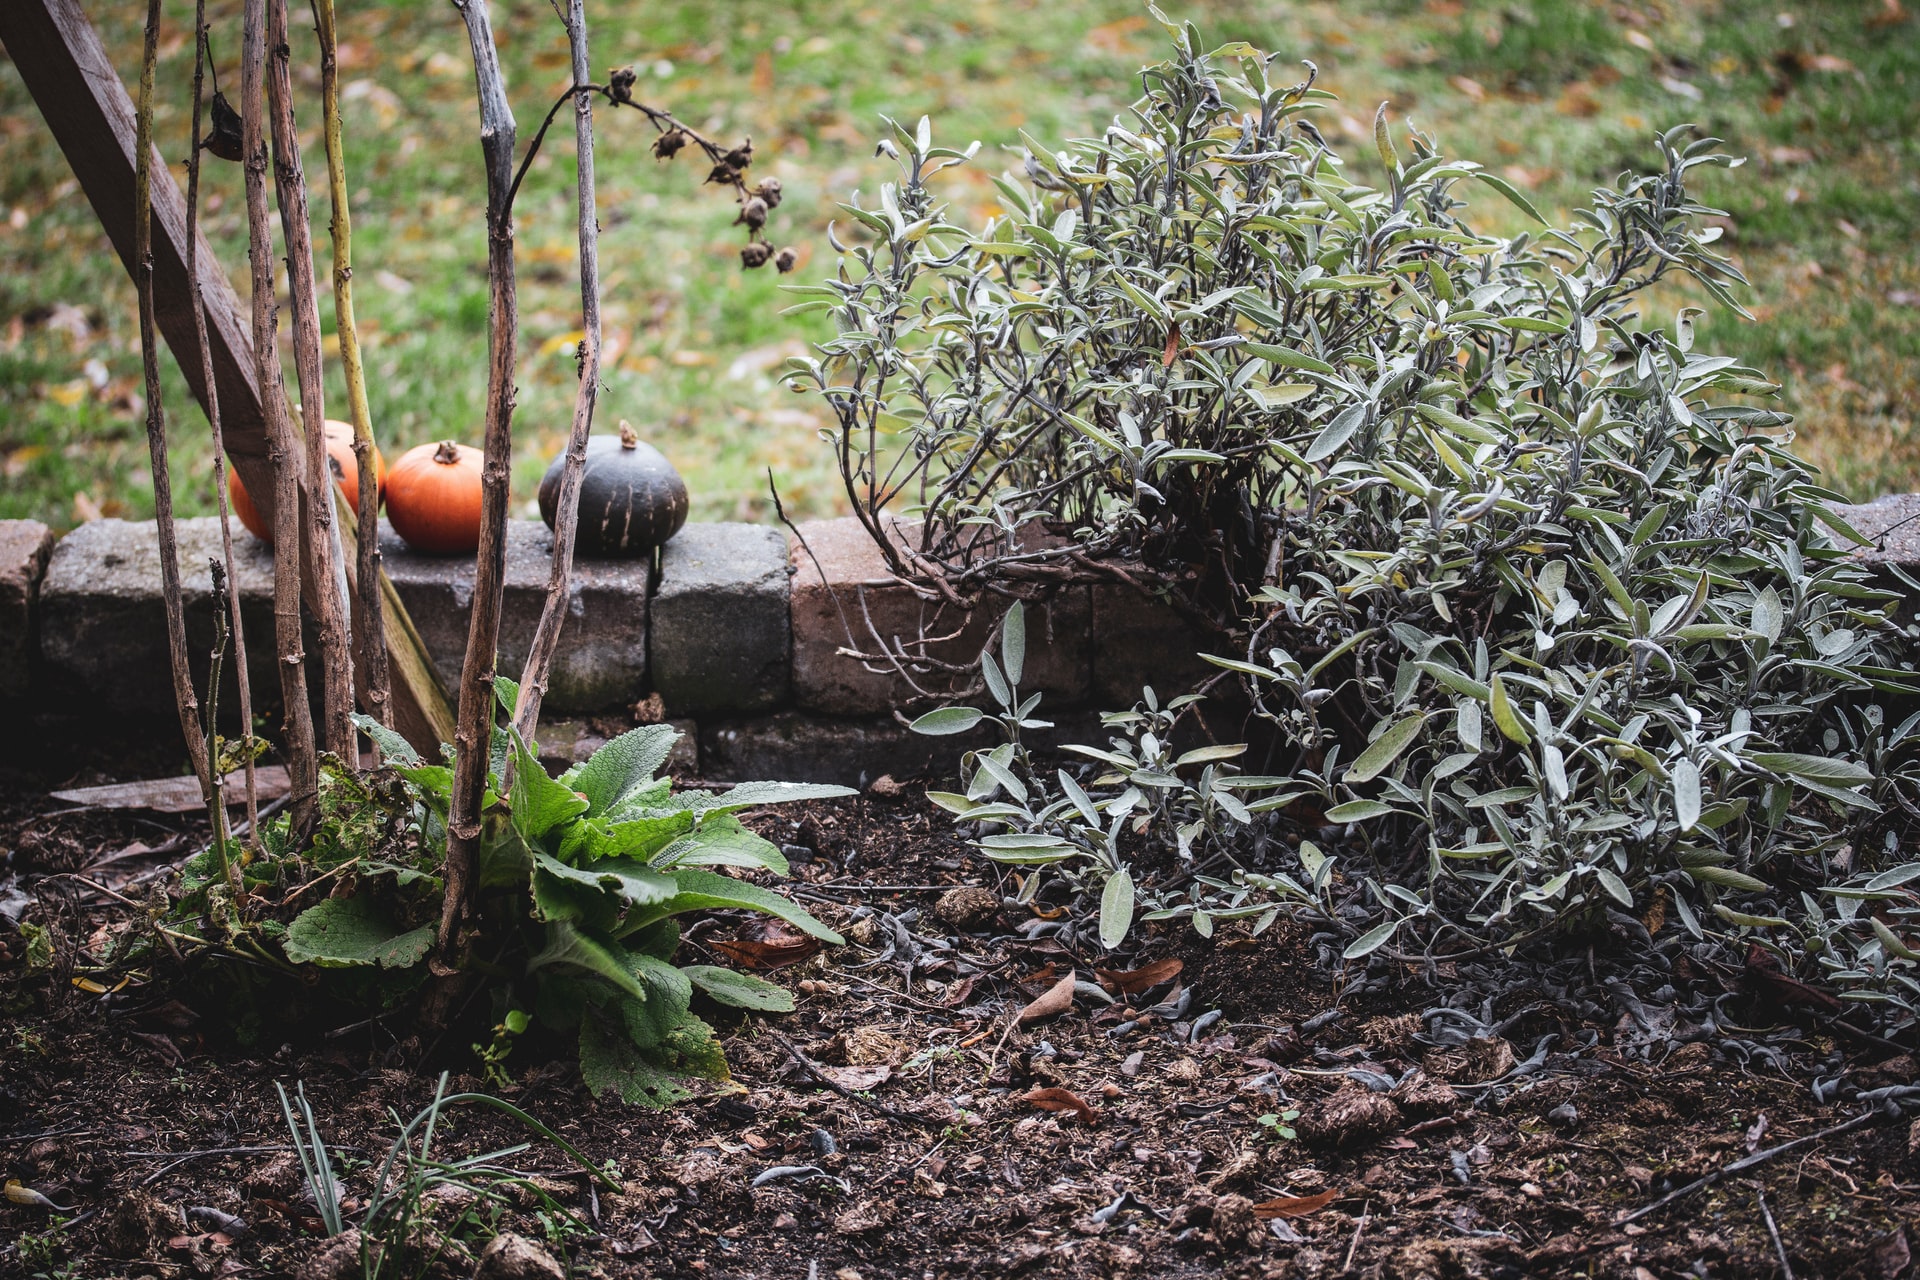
368, 621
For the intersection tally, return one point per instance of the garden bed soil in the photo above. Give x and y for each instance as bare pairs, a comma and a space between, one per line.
947, 1153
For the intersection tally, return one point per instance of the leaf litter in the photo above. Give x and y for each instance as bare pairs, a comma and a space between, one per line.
1487, 1118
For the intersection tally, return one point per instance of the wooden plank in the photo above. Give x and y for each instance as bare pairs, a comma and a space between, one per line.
177, 795
64, 66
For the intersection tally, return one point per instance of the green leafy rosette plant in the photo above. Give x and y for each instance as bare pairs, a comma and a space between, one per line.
583, 876
1542, 623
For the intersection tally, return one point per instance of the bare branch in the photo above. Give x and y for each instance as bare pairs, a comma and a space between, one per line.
323, 536
546, 637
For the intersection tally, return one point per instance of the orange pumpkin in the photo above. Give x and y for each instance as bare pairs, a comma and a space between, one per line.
346, 473
433, 498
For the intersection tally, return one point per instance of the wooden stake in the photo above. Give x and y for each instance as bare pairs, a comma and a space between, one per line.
323, 535
201, 56
473, 731
88, 111
184, 698
553, 614
368, 617
302, 762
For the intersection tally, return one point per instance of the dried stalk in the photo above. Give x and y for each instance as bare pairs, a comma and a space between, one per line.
327, 558
184, 698
546, 637
202, 55
474, 720
302, 762
368, 621
216, 802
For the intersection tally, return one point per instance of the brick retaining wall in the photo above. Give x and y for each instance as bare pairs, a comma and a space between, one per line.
742, 639
741, 635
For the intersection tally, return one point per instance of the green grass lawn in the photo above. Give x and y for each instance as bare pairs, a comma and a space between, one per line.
1559, 95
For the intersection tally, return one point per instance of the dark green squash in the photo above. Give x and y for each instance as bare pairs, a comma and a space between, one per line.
631, 498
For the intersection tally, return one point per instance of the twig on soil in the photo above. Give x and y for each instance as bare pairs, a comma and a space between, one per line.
1359, 1228
1773, 1231
815, 1070
1860, 1121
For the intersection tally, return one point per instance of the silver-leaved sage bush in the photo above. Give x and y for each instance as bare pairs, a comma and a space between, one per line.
1541, 622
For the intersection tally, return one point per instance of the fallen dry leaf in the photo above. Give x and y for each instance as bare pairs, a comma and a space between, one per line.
1057, 1000
776, 952
858, 1079
1131, 982
1055, 1098
1295, 1206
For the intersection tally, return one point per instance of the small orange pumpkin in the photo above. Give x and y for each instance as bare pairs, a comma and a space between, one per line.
346, 473
433, 498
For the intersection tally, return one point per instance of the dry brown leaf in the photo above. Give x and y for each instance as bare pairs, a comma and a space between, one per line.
775, 954
1131, 982
1057, 1000
858, 1079
1055, 1098
1295, 1206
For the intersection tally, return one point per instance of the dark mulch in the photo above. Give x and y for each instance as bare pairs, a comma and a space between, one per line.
1507, 1155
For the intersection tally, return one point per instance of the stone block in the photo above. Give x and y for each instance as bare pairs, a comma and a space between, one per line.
843, 597
719, 625
103, 630
797, 746
24, 547
601, 663
792, 746
1139, 640
1891, 525
565, 743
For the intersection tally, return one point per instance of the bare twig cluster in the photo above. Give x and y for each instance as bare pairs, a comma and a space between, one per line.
728, 165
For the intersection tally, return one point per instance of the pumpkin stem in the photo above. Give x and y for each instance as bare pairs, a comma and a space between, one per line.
628, 440
447, 454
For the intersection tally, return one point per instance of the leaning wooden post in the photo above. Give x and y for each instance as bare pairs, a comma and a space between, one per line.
59, 58
323, 534
546, 637
302, 763
473, 721
184, 699
369, 622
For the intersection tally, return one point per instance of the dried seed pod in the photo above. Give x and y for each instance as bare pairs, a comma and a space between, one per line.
785, 260
754, 213
620, 85
668, 144
724, 174
769, 190
755, 254
741, 156
225, 138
